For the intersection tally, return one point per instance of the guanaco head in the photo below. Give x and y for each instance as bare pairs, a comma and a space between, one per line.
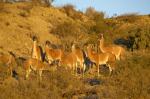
101, 36
11, 53
89, 47
73, 45
34, 38
47, 43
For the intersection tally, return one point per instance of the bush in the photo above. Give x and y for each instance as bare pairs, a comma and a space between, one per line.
98, 17
65, 29
142, 38
42, 2
69, 32
131, 18
71, 12
138, 36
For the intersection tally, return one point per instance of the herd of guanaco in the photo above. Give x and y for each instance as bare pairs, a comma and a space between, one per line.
72, 60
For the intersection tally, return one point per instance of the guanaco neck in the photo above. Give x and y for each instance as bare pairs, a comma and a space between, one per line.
89, 52
46, 49
102, 45
34, 46
73, 48
10, 59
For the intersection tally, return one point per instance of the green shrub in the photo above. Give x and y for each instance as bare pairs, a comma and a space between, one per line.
141, 37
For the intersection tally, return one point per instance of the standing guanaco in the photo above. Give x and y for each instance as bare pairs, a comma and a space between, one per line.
118, 51
35, 65
36, 50
9, 60
101, 58
51, 53
69, 61
79, 56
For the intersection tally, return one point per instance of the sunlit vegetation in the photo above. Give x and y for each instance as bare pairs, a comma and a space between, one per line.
21, 21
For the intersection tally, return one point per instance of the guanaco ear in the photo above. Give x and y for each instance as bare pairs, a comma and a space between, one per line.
11, 53
92, 46
89, 45
47, 42
73, 43
85, 44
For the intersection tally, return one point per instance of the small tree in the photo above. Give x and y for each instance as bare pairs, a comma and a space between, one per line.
98, 17
47, 2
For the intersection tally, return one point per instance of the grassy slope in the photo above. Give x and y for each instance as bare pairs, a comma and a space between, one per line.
130, 80
20, 21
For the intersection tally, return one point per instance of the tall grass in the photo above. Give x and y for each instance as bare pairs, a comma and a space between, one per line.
130, 80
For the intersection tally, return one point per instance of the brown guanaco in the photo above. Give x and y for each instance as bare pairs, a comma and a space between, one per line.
101, 58
77, 52
117, 50
35, 65
36, 50
51, 53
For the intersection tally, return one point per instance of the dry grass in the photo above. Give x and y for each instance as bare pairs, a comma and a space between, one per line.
20, 21
23, 20
130, 80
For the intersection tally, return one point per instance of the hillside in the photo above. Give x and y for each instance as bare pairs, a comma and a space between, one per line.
19, 22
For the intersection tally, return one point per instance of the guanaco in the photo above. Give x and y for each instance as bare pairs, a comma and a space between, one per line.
35, 65
77, 52
101, 58
36, 50
9, 60
51, 53
69, 61
118, 51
